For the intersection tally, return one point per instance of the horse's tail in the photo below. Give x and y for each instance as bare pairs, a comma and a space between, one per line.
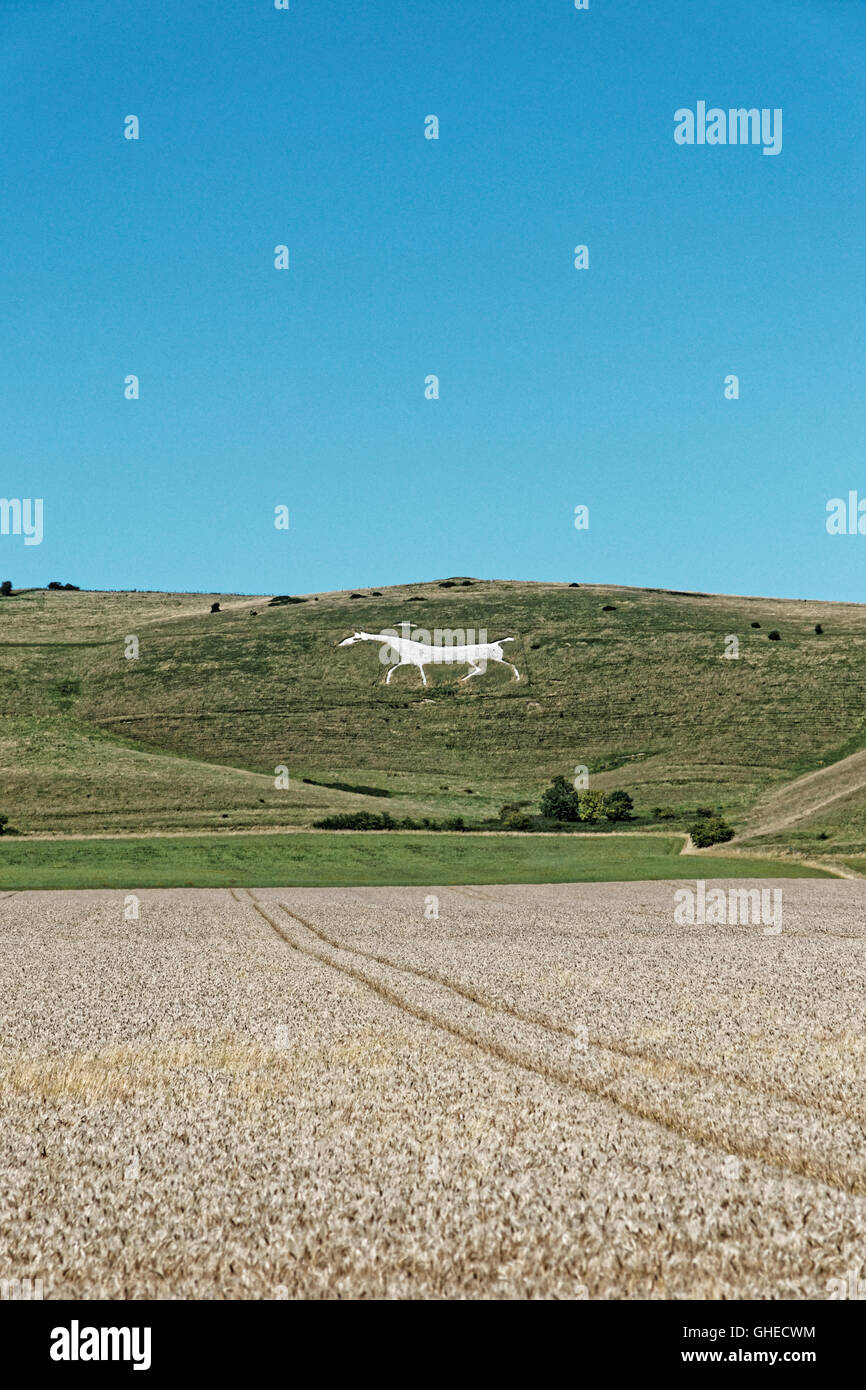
504, 639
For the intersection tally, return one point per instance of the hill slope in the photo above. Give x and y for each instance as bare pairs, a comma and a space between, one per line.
632, 683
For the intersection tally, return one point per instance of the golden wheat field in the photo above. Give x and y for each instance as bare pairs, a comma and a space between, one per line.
542, 1092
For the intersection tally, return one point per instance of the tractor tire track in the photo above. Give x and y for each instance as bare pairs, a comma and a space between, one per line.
744, 1133
474, 893
631, 1051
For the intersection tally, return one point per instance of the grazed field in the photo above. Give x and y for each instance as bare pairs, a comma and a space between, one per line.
547, 1091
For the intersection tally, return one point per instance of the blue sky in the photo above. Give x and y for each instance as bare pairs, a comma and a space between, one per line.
411, 257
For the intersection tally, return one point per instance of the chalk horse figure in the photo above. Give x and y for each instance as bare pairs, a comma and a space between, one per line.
423, 654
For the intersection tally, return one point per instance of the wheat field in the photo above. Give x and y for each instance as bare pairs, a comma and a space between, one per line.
540, 1092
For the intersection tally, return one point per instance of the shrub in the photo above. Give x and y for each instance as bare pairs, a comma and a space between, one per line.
774, 636
705, 812
710, 832
664, 813
560, 801
818, 629
618, 805
609, 608
756, 624
357, 820
4, 821
591, 807
214, 608
6, 587
514, 817
285, 598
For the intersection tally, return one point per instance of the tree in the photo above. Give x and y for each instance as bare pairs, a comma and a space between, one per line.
710, 832
4, 821
214, 608
6, 587
618, 805
591, 807
560, 801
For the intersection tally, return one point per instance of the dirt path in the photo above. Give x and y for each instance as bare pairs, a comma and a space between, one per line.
724, 851
810, 793
311, 830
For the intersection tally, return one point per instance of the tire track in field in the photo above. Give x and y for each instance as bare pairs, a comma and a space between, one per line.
475, 895
631, 1051
735, 1137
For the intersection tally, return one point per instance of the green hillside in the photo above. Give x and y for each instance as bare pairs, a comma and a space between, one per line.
189, 735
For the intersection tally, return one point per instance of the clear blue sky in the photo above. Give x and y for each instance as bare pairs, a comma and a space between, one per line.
410, 257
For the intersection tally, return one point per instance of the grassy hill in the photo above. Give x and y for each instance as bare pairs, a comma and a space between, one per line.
631, 682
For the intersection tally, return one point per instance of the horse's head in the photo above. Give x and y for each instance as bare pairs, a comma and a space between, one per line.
350, 641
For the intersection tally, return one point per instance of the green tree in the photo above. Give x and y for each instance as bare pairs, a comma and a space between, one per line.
560, 801
710, 832
618, 805
592, 807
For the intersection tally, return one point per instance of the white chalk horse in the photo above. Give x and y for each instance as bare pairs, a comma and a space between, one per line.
423, 654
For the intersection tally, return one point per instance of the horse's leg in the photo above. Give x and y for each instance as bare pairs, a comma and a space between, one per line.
392, 669
476, 671
515, 670
421, 669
